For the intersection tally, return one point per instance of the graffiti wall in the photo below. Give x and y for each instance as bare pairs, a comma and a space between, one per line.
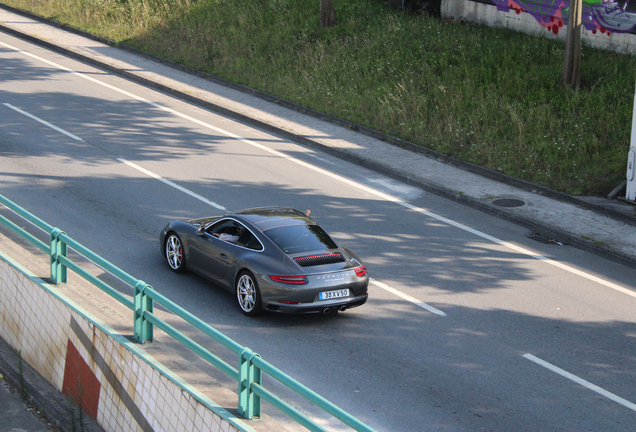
607, 23
598, 15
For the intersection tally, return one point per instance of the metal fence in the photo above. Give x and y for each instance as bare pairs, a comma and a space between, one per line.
251, 366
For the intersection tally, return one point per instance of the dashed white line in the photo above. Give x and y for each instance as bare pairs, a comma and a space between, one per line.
218, 206
45, 123
345, 180
174, 185
407, 297
581, 381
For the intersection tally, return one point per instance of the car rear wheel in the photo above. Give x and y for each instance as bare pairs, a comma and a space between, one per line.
174, 253
247, 295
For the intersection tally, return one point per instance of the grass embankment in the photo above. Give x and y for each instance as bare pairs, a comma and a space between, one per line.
488, 96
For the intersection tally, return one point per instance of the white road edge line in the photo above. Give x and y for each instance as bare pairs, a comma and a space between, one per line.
199, 197
407, 297
174, 185
581, 381
45, 123
337, 177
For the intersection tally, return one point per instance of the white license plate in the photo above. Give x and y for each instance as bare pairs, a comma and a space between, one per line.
326, 295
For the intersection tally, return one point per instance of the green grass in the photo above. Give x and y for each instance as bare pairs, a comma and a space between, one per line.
483, 95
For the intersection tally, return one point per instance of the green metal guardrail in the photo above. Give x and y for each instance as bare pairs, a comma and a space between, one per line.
250, 365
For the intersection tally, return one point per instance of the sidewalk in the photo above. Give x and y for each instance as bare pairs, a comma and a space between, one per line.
17, 415
598, 225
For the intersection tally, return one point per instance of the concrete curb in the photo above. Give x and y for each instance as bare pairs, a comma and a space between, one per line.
544, 229
408, 145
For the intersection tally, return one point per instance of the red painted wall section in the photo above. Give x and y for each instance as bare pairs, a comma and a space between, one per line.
80, 382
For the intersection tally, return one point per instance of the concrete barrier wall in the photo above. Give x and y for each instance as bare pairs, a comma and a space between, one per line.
516, 15
112, 378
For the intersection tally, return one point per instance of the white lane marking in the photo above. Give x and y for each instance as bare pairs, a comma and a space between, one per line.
199, 197
174, 185
126, 93
407, 297
347, 181
45, 123
581, 381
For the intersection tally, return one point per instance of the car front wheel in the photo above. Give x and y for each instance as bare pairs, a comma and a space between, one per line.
247, 294
174, 253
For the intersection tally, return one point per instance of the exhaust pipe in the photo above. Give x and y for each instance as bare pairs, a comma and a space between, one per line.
326, 311
342, 308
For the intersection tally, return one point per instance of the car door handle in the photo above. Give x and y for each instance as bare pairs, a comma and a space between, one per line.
224, 256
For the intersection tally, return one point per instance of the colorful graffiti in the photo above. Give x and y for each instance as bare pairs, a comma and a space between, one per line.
603, 16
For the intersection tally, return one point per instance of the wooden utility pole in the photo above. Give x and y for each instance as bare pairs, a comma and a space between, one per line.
327, 13
572, 65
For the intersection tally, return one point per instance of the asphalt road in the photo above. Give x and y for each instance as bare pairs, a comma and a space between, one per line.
465, 328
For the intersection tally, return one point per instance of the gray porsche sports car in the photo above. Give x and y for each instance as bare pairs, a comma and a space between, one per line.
272, 258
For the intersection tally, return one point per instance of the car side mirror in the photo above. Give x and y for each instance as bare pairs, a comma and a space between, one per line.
201, 230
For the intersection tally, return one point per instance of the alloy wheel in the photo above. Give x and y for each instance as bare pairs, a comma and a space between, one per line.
246, 293
174, 252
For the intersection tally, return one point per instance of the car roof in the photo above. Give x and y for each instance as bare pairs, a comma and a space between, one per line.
274, 217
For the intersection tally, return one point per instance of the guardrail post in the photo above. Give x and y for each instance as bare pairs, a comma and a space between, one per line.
58, 249
143, 304
249, 405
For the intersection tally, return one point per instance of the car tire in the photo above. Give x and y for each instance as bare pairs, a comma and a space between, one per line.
248, 295
173, 251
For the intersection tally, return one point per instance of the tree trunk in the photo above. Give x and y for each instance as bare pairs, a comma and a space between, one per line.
572, 65
327, 13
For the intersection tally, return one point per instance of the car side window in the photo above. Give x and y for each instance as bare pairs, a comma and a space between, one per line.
248, 240
224, 226
232, 228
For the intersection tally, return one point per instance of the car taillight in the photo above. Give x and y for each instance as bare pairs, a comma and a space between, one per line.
361, 271
289, 279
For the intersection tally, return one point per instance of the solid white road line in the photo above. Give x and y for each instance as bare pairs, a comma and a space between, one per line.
345, 180
407, 297
174, 185
45, 123
205, 200
581, 381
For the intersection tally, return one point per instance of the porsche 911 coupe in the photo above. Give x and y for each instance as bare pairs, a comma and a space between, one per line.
271, 258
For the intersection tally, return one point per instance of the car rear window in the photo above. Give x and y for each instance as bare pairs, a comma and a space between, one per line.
300, 238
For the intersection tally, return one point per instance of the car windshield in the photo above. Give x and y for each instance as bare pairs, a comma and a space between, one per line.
300, 238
